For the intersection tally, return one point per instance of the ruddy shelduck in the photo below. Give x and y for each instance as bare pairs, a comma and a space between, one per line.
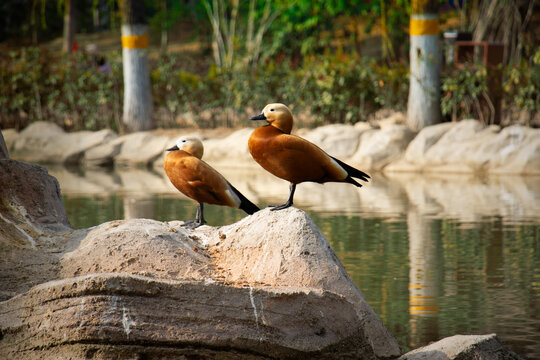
199, 181
292, 158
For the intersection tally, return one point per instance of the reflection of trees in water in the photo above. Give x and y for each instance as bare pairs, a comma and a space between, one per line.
425, 277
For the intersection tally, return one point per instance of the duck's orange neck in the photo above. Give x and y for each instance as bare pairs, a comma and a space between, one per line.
285, 125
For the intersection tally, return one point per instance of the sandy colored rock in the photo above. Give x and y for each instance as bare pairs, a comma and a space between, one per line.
174, 318
463, 347
517, 151
338, 140
142, 148
470, 147
10, 135
424, 140
378, 148
44, 142
31, 213
31, 200
103, 154
396, 118
231, 150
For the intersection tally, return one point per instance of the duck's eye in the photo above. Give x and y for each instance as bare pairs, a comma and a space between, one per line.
271, 109
184, 140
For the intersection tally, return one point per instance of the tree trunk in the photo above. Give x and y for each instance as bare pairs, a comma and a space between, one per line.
137, 96
424, 106
69, 27
164, 31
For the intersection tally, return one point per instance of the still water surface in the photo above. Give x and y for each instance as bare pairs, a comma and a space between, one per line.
434, 256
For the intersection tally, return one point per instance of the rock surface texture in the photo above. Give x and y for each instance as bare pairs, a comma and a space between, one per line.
463, 347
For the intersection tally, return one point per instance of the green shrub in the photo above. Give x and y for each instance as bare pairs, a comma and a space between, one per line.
522, 84
333, 88
464, 90
70, 90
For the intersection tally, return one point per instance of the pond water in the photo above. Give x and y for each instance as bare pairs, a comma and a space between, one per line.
434, 255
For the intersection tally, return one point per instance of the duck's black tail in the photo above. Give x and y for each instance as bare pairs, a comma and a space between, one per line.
353, 173
245, 204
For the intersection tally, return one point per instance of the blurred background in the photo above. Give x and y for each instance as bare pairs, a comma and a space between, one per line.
213, 61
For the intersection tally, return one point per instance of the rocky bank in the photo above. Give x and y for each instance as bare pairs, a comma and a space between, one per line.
268, 286
467, 146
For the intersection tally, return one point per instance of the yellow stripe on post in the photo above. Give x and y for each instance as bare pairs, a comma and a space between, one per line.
135, 41
424, 27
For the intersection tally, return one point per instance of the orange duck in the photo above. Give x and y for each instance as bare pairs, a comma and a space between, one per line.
292, 158
199, 181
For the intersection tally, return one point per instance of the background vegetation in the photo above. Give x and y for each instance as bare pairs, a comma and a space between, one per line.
334, 61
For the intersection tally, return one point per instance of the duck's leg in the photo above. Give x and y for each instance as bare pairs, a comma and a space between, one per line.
199, 218
289, 202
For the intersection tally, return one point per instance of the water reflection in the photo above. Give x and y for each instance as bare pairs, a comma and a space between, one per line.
425, 277
434, 255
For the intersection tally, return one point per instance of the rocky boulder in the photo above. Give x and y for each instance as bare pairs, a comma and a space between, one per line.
378, 148
45, 142
230, 151
30, 209
141, 148
463, 347
471, 147
339, 140
267, 286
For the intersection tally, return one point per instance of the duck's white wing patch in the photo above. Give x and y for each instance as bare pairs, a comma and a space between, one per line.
341, 169
232, 195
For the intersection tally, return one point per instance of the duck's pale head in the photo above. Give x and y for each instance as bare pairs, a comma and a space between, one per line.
189, 144
277, 115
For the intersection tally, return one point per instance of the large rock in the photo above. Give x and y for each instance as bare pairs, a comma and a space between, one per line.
44, 142
470, 147
31, 203
378, 148
30, 208
128, 316
517, 151
267, 286
340, 141
103, 154
231, 151
463, 347
142, 148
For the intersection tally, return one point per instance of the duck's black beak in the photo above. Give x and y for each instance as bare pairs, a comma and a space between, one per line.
173, 148
258, 117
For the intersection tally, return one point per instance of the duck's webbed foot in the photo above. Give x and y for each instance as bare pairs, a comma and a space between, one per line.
289, 202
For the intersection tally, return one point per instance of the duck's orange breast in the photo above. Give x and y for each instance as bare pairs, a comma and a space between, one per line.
292, 158
198, 180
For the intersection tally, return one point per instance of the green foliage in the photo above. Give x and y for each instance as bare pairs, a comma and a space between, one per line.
463, 90
71, 91
522, 83
333, 88
347, 89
